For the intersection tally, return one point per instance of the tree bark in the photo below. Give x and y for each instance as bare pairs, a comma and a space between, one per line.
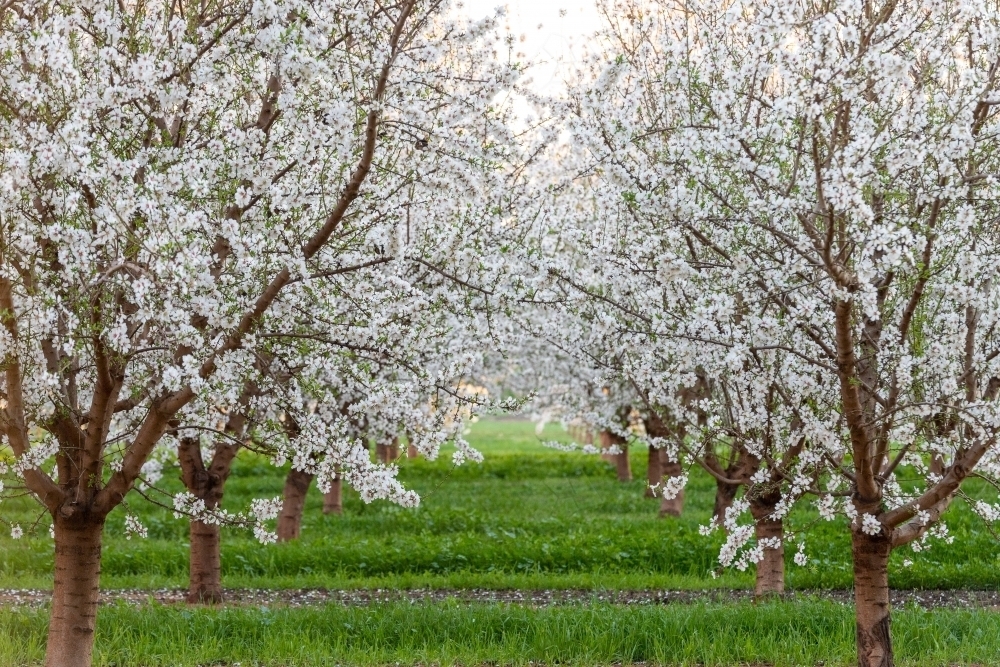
607, 439
412, 452
725, 494
654, 471
387, 453
771, 568
208, 485
870, 554
75, 591
293, 503
672, 506
205, 582
622, 464
333, 499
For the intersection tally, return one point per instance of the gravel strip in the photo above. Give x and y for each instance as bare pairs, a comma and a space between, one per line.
930, 599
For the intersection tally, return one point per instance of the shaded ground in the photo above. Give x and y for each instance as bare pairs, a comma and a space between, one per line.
933, 599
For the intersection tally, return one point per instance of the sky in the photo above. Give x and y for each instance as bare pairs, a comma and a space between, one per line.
552, 30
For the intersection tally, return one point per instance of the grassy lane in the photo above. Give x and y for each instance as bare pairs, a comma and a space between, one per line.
528, 517
778, 633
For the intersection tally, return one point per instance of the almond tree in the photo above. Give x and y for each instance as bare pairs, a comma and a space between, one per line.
181, 185
811, 190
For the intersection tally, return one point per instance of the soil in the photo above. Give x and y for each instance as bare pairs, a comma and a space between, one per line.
925, 599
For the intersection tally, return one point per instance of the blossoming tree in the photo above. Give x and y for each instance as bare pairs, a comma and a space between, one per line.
827, 175
182, 184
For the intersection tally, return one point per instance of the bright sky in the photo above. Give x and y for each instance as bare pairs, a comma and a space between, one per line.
553, 30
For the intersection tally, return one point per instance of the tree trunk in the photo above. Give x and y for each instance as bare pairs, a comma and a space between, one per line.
771, 568
870, 554
293, 503
333, 499
208, 485
75, 592
725, 494
205, 583
607, 439
622, 465
672, 506
392, 451
412, 452
654, 472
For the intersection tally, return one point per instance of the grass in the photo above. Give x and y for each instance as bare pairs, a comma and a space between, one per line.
528, 517
779, 633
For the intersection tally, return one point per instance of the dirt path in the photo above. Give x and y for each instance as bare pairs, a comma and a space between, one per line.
989, 600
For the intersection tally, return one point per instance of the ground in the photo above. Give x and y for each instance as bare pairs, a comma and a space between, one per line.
533, 556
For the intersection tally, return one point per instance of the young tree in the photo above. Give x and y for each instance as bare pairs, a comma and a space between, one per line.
181, 183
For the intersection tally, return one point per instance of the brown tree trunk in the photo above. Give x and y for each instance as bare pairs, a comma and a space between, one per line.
292, 505
381, 452
75, 592
654, 471
725, 494
771, 568
672, 506
393, 451
205, 583
870, 554
622, 464
412, 452
333, 499
607, 439
208, 485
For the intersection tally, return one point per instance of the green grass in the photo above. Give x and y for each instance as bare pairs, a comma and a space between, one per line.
779, 633
528, 517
